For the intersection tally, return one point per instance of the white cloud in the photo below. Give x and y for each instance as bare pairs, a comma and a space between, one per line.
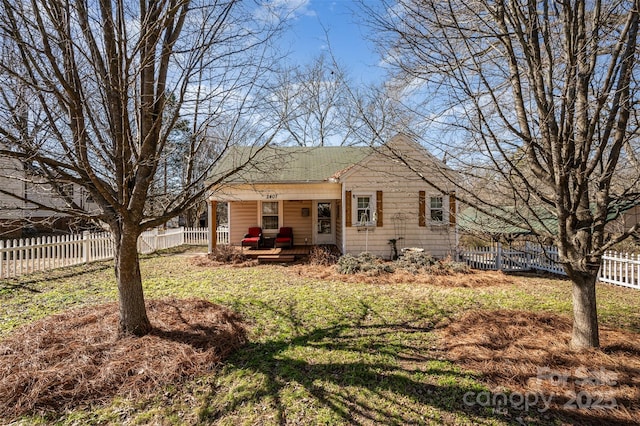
283, 10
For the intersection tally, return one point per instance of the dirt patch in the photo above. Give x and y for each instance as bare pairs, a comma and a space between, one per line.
473, 279
229, 258
528, 354
75, 358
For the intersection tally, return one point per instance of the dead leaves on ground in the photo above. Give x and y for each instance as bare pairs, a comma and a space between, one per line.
76, 358
527, 354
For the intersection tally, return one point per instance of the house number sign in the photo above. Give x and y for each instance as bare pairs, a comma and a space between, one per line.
271, 196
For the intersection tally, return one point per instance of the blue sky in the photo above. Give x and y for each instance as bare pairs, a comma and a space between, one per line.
307, 39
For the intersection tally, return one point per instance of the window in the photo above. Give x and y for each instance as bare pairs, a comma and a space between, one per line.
363, 212
436, 209
324, 218
270, 215
67, 190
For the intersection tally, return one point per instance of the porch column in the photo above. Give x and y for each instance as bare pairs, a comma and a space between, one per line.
212, 209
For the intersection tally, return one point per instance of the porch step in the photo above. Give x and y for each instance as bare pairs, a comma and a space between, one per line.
276, 258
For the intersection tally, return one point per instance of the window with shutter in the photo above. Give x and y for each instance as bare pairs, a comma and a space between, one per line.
364, 209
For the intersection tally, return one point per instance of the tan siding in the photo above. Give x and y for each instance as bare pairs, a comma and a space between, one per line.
302, 226
402, 189
242, 214
277, 192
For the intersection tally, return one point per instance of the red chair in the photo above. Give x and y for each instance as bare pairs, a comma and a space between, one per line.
284, 238
253, 238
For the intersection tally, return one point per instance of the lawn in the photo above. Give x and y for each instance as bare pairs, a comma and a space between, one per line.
326, 349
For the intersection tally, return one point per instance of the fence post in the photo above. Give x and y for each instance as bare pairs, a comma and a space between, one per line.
86, 247
637, 280
627, 278
499, 257
154, 234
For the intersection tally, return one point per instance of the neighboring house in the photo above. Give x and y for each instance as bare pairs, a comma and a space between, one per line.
358, 198
622, 216
12, 181
625, 218
19, 218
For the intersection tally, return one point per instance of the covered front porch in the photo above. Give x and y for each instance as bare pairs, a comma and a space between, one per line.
312, 211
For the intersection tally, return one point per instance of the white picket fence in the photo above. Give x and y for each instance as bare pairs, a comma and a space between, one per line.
222, 235
23, 256
620, 269
497, 257
617, 268
18, 257
196, 236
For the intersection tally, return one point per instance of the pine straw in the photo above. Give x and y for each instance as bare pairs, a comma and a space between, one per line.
474, 279
529, 352
75, 359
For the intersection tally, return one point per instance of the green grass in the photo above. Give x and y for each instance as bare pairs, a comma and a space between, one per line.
319, 352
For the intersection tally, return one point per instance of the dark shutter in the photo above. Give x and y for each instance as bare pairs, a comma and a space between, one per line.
347, 208
422, 199
379, 209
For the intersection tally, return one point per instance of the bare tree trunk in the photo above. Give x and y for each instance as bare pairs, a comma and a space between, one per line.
191, 216
585, 314
133, 313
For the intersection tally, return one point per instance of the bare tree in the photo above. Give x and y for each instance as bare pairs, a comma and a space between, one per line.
318, 104
310, 101
537, 102
93, 92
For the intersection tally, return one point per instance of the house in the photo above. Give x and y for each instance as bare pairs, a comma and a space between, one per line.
509, 223
19, 218
11, 181
357, 198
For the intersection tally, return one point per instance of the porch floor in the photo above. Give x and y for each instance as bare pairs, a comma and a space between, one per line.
296, 251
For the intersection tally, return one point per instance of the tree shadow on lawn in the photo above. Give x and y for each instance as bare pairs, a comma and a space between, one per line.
26, 282
374, 373
368, 371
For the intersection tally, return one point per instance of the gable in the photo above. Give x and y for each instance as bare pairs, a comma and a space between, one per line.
402, 160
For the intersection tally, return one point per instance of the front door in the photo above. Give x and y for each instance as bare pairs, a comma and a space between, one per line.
325, 227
